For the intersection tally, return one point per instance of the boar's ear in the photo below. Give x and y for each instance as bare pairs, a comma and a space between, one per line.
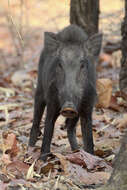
50, 41
93, 44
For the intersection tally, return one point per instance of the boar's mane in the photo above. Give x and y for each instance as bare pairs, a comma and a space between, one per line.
72, 34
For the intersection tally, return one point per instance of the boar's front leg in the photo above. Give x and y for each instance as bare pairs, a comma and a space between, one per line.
71, 132
52, 114
86, 127
39, 106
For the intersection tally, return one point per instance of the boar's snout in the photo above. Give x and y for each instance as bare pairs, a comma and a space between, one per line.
68, 110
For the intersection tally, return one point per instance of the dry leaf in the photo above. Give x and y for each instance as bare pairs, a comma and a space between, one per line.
8, 91
87, 160
121, 122
101, 117
114, 104
6, 159
10, 144
46, 167
19, 77
3, 186
30, 172
64, 162
17, 168
33, 153
104, 91
79, 174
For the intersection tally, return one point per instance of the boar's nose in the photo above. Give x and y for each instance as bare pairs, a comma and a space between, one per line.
68, 110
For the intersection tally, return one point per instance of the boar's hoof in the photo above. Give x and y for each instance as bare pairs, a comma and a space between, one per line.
44, 157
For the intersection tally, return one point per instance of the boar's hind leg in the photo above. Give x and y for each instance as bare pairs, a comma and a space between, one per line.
52, 114
86, 127
71, 132
39, 106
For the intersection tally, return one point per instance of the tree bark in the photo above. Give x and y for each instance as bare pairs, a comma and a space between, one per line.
123, 71
85, 13
118, 180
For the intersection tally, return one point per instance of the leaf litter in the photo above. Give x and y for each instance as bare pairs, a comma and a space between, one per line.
64, 169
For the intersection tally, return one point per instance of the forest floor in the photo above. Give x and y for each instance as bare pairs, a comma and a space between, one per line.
22, 25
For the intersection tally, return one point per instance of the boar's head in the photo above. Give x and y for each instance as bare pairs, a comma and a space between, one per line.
74, 56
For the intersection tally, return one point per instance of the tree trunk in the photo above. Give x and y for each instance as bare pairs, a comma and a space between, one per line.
85, 13
123, 72
118, 180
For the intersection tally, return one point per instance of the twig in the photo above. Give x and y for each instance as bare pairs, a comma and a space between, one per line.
16, 28
19, 48
57, 182
12, 35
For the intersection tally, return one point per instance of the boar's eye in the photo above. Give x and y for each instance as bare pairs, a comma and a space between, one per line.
59, 67
84, 63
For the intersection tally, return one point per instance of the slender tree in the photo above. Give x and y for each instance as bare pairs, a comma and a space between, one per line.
123, 71
85, 13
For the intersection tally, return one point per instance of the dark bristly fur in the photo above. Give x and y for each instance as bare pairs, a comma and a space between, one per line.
66, 79
72, 34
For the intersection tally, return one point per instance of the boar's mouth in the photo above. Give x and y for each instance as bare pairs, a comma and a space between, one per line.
68, 112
